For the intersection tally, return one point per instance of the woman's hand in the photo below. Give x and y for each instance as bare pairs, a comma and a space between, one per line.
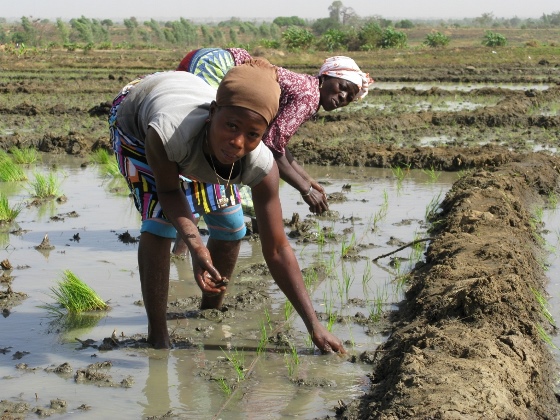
325, 341
316, 198
207, 277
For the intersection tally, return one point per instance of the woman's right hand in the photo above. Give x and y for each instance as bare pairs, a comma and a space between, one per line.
206, 275
316, 198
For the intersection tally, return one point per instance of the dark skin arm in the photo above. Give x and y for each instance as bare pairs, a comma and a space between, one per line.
176, 209
312, 193
282, 261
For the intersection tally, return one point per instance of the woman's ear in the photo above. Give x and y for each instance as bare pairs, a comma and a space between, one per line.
212, 111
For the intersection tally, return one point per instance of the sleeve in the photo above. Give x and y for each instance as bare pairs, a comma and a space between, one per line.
299, 101
239, 55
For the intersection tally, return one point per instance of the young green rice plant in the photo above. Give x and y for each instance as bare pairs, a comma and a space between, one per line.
24, 156
348, 280
546, 337
9, 170
268, 319
288, 309
263, 340
237, 359
381, 213
432, 208
417, 250
400, 174
539, 214
331, 321
74, 296
224, 386
367, 275
432, 174
8, 213
45, 186
552, 200
378, 303
543, 303
310, 276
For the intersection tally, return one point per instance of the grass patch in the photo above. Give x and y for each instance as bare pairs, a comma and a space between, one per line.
10, 171
7, 213
24, 156
45, 186
75, 296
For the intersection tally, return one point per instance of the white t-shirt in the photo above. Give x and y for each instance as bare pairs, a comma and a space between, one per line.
176, 104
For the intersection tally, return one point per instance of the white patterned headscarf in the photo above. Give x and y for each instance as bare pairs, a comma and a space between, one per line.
347, 69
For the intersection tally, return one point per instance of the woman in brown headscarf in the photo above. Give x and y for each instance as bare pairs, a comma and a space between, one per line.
171, 125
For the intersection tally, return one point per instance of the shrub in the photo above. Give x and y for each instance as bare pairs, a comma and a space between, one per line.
269, 43
493, 39
436, 39
333, 39
393, 39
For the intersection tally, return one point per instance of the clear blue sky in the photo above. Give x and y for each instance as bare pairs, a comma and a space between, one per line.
249, 9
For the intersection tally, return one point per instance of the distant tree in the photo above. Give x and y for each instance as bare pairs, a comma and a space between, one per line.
107, 23
485, 19
154, 26
551, 20
369, 35
233, 36
289, 21
404, 24
264, 30
63, 31
320, 26
82, 26
335, 11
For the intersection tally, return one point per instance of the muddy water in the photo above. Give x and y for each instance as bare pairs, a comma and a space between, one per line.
379, 214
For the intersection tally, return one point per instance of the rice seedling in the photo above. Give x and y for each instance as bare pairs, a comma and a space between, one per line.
24, 156
432, 208
45, 186
433, 175
546, 337
263, 340
310, 276
366, 278
268, 319
8, 213
224, 386
348, 280
552, 200
237, 359
543, 303
288, 309
9, 170
331, 321
378, 302
75, 296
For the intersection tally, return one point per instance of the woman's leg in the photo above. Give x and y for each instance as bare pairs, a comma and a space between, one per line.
153, 262
224, 256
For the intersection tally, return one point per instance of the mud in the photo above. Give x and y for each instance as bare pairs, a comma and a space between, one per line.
466, 342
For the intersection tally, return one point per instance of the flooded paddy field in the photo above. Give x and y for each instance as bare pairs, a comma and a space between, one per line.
456, 163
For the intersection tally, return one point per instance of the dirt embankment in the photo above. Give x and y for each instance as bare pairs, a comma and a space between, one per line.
468, 339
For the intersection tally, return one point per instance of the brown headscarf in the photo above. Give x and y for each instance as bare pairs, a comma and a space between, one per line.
252, 85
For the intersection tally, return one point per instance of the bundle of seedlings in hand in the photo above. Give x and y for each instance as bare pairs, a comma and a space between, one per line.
75, 296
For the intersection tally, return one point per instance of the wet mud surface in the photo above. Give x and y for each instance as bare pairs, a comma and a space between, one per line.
466, 341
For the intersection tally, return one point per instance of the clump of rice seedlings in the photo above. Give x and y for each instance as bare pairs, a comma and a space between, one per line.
45, 186
10, 171
24, 156
112, 168
292, 360
432, 208
102, 157
7, 213
288, 309
75, 296
263, 340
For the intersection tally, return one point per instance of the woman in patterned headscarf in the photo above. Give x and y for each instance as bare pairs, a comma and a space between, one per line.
339, 82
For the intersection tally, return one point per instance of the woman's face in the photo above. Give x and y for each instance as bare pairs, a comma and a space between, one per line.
336, 92
234, 132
